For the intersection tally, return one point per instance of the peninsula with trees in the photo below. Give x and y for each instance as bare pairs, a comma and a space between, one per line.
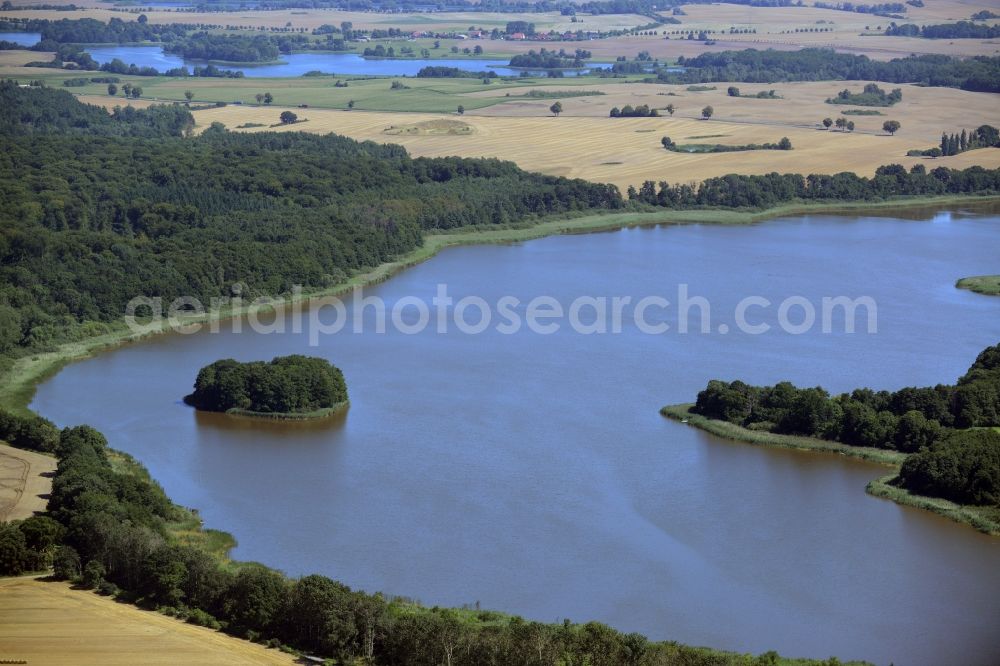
943, 441
288, 387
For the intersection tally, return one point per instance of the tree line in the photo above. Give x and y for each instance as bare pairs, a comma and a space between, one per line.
293, 384
981, 73
668, 144
765, 191
442, 72
931, 422
985, 136
628, 111
879, 9
108, 528
959, 30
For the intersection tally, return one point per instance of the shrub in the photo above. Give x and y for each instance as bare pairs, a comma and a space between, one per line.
202, 619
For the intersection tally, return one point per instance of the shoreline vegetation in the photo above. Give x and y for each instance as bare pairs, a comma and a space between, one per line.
682, 412
17, 384
988, 285
882, 487
316, 414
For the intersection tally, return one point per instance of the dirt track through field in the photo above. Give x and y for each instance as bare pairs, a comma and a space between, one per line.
25, 482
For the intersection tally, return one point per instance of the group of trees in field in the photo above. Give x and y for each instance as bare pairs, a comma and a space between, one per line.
668, 144
733, 91
99, 208
93, 79
980, 73
628, 111
985, 136
962, 466
766, 191
842, 124
872, 95
286, 385
959, 30
108, 528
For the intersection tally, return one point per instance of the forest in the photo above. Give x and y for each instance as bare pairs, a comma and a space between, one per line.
230, 48
980, 74
286, 385
100, 208
933, 423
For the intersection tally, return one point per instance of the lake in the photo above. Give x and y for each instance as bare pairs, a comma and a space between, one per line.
297, 64
22, 38
533, 474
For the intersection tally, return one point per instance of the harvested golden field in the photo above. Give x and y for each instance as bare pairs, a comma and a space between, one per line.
585, 143
17, 58
111, 102
50, 624
775, 27
313, 18
25, 483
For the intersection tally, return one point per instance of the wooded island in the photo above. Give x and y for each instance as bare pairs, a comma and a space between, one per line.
288, 387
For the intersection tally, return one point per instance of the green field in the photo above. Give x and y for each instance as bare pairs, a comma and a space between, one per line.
374, 94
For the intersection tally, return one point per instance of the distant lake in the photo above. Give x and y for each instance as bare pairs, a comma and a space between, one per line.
533, 473
22, 38
158, 5
297, 64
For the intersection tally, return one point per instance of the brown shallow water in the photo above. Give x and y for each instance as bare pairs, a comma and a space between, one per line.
533, 473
